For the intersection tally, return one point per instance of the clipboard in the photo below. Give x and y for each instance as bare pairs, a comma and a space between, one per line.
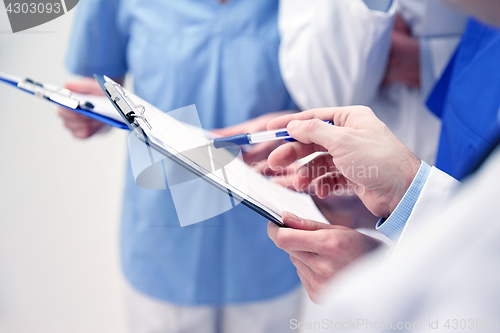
140, 122
87, 105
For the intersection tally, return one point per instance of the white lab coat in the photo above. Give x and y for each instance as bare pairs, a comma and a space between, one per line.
438, 189
335, 52
444, 268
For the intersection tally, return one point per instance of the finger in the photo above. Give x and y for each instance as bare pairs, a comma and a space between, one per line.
261, 167
307, 285
67, 114
316, 168
295, 222
328, 184
272, 230
264, 169
338, 115
77, 118
308, 258
75, 125
290, 152
316, 131
289, 239
74, 118
84, 129
80, 119
324, 184
71, 116
307, 273
85, 85
84, 133
288, 180
311, 266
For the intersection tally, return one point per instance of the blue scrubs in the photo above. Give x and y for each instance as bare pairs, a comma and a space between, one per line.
224, 59
467, 99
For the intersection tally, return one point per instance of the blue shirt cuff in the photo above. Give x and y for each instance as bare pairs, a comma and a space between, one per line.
393, 226
380, 5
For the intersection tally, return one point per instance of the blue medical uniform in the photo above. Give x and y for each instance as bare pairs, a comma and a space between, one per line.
467, 99
224, 59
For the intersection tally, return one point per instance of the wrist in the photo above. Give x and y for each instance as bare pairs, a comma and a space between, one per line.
402, 183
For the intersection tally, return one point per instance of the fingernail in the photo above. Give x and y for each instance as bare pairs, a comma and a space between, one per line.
290, 216
292, 125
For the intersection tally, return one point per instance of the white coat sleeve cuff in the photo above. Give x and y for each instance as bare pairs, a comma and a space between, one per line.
395, 223
438, 188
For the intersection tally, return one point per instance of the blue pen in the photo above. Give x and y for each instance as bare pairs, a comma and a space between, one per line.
253, 138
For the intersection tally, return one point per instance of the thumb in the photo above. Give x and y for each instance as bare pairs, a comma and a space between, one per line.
85, 86
315, 131
295, 222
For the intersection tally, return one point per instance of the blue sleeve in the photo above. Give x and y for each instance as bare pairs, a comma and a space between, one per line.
96, 44
380, 5
439, 95
426, 66
393, 226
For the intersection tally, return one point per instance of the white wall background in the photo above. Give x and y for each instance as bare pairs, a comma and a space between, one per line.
60, 201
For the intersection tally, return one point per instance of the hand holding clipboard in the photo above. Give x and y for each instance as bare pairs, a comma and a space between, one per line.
89, 101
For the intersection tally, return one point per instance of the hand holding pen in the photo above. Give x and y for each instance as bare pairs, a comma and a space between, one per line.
254, 138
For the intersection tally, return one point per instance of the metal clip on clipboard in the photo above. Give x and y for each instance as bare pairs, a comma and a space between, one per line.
53, 93
135, 118
132, 115
129, 111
